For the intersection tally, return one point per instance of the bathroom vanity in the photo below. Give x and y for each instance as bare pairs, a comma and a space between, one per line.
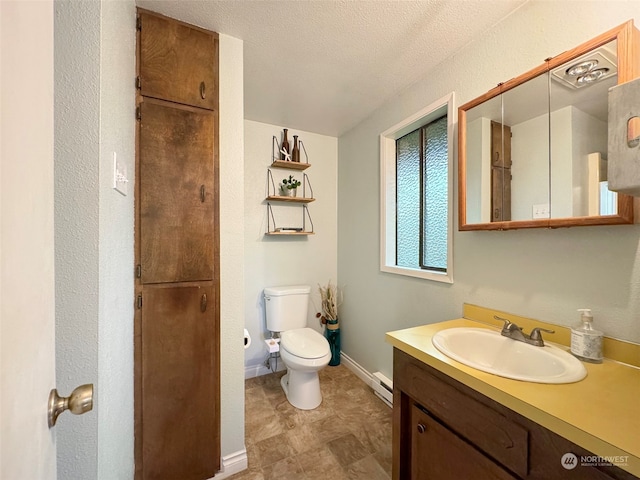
452, 421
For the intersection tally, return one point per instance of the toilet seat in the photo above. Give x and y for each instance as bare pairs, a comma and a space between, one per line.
304, 343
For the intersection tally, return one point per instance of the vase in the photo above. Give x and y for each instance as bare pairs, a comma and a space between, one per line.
295, 153
289, 192
332, 332
285, 145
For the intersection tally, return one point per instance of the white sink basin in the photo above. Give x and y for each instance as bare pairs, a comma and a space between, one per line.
490, 352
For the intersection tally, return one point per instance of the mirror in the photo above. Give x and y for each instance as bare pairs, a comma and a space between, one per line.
532, 151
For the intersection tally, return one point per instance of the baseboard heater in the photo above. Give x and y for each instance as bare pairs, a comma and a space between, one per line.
382, 387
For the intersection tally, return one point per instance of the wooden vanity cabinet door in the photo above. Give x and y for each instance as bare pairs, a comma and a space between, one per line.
492, 433
439, 454
177, 62
179, 394
176, 193
469, 436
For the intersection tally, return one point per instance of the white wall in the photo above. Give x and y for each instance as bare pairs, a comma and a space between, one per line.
562, 163
231, 245
589, 136
115, 252
530, 166
479, 168
272, 261
77, 235
540, 273
530, 169
574, 134
94, 117
95, 101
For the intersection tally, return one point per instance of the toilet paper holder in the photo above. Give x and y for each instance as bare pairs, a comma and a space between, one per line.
247, 339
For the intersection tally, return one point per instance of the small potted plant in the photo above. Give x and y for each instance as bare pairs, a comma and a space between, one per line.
290, 186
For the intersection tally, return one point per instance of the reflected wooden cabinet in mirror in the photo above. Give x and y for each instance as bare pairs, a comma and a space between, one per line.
532, 152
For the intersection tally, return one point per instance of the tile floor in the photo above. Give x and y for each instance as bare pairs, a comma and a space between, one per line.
347, 437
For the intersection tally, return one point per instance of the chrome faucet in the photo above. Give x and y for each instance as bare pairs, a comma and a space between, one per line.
514, 332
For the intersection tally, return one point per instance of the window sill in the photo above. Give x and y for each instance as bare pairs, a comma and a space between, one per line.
418, 273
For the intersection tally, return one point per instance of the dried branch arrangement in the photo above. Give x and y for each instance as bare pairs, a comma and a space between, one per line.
331, 299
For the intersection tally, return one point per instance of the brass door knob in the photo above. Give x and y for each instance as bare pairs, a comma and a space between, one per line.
80, 401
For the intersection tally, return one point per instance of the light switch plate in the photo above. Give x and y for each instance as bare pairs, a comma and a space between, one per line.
541, 211
120, 180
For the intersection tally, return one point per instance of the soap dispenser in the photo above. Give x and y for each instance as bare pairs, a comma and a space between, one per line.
586, 342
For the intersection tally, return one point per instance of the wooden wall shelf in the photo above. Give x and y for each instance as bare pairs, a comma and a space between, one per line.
280, 198
278, 163
290, 165
289, 233
272, 229
272, 191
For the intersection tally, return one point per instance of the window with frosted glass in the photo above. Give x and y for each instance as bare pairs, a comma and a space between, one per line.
422, 194
408, 200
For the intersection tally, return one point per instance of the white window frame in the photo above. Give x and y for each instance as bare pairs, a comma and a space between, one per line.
388, 188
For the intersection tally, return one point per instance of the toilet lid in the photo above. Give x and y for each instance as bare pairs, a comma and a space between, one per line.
304, 343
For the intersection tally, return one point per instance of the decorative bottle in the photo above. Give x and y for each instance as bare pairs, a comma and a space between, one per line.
586, 341
295, 153
285, 147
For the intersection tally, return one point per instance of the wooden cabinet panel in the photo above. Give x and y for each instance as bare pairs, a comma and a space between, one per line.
456, 413
177, 62
496, 435
500, 172
176, 327
176, 193
456, 459
179, 383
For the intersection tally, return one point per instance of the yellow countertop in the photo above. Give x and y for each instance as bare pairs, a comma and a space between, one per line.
599, 413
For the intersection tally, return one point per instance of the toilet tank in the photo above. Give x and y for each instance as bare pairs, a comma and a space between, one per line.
286, 307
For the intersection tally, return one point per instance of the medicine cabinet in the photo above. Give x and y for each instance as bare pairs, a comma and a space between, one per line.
533, 150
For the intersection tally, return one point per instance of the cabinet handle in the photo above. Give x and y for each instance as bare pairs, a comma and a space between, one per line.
203, 92
203, 303
421, 428
202, 193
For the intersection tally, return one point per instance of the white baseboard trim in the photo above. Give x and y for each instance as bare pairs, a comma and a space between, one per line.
251, 371
355, 367
360, 372
232, 464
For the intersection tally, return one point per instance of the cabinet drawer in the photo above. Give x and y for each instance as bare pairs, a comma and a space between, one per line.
490, 431
457, 458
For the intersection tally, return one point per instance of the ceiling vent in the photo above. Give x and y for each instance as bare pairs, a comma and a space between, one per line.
586, 70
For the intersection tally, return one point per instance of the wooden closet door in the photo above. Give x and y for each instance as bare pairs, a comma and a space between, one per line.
176, 193
500, 172
178, 62
179, 397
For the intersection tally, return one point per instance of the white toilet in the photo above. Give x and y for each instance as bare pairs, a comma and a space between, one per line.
303, 350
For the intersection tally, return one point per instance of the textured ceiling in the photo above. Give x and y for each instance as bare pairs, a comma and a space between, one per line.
324, 66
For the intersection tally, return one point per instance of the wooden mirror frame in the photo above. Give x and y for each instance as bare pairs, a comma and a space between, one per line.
628, 46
